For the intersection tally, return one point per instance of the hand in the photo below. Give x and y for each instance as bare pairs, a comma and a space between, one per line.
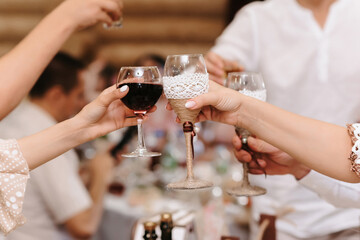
270, 159
216, 67
219, 104
107, 113
85, 13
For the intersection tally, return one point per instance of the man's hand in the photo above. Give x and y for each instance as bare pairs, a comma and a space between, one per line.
271, 159
218, 67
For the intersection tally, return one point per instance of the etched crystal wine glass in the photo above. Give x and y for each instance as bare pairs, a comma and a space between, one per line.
145, 89
185, 77
250, 84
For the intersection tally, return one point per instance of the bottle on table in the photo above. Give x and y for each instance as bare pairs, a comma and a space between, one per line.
166, 226
150, 233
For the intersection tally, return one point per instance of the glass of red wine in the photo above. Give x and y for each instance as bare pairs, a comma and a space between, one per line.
145, 89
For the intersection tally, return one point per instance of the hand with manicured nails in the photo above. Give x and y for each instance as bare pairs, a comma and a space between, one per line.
103, 115
220, 104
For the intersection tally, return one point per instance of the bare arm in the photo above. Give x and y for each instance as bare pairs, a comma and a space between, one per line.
105, 114
321, 146
21, 67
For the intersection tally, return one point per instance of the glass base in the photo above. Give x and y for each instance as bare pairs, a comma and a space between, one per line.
190, 184
247, 191
141, 153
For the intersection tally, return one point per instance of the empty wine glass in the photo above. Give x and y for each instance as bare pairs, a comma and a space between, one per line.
145, 89
250, 84
185, 77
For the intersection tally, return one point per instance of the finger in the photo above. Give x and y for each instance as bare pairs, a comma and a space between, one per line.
237, 143
105, 18
242, 156
153, 109
168, 107
260, 164
261, 146
130, 122
110, 94
214, 69
216, 64
111, 8
256, 171
203, 100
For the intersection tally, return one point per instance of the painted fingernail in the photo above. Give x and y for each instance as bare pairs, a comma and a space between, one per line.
190, 104
124, 88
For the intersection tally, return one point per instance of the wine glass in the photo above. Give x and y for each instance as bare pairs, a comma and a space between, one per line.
145, 89
115, 24
250, 84
185, 77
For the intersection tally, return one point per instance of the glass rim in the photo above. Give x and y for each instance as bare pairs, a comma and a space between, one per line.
189, 55
249, 73
136, 67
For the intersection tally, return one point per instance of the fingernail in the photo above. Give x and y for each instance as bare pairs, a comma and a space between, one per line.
124, 88
190, 104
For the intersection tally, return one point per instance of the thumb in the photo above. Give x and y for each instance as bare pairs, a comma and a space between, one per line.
203, 100
260, 146
110, 94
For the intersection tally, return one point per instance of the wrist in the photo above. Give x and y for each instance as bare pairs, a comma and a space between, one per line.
62, 23
78, 127
245, 119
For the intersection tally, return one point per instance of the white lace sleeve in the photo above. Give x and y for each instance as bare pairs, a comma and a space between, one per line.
354, 131
14, 173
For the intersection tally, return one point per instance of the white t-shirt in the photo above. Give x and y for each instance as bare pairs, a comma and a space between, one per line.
55, 191
307, 70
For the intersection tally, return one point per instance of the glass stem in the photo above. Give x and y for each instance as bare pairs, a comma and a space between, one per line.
189, 155
246, 174
244, 134
141, 141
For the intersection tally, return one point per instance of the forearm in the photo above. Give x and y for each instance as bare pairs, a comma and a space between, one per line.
322, 146
50, 143
22, 66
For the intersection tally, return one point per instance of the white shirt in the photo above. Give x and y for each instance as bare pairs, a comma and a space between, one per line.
55, 192
309, 71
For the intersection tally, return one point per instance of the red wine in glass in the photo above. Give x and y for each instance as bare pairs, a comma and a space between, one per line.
141, 96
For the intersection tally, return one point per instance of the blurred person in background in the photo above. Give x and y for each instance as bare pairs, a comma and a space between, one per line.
99, 74
309, 69
57, 203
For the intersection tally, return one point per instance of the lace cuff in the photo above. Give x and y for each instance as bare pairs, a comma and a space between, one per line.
14, 173
354, 132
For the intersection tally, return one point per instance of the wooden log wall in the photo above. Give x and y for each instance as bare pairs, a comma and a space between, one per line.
150, 26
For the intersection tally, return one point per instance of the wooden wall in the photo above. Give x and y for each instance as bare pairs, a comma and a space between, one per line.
150, 26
